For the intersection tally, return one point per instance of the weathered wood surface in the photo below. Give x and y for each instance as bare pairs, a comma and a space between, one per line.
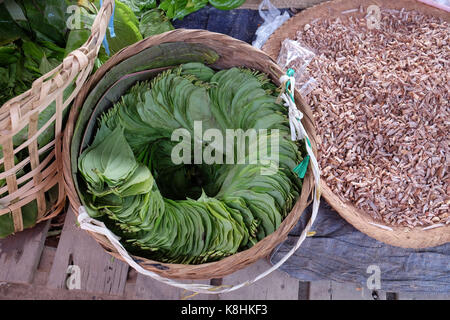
28, 270
277, 285
139, 287
20, 254
12, 291
44, 267
99, 272
303, 290
332, 290
320, 290
428, 296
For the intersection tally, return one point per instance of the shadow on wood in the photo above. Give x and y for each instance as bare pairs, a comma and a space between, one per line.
20, 254
99, 272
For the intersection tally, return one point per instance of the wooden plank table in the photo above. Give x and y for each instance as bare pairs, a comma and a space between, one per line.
30, 270
20, 254
275, 286
100, 273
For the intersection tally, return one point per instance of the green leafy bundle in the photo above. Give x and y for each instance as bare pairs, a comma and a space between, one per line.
190, 213
178, 9
35, 36
126, 29
32, 40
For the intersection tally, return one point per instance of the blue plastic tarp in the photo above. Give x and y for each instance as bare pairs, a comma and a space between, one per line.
339, 252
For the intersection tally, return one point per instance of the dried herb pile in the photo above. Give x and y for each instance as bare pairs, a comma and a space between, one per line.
382, 112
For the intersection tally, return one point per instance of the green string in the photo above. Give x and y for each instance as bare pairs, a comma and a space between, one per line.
309, 143
289, 73
302, 167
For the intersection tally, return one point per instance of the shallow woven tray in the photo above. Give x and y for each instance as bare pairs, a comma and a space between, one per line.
399, 236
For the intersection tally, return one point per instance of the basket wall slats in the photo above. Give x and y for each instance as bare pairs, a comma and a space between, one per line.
45, 162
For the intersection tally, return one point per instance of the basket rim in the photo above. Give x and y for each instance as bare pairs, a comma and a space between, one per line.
228, 49
399, 236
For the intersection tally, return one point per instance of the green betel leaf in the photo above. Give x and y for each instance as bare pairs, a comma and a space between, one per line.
141, 182
47, 65
154, 22
47, 19
140, 7
198, 70
191, 212
33, 52
117, 159
109, 161
9, 29
76, 39
8, 55
178, 9
226, 4
38, 44
126, 28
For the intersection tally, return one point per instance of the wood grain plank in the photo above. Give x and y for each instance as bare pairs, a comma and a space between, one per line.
99, 272
320, 290
13, 291
149, 289
332, 290
20, 254
276, 286
352, 291
44, 266
303, 290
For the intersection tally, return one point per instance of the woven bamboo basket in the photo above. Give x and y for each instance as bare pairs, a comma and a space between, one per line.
396, 236
23, 112
232, 53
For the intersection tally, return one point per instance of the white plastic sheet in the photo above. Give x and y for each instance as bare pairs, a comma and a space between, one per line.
273, 19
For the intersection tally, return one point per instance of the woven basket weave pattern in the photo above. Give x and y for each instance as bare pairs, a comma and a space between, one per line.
23, 111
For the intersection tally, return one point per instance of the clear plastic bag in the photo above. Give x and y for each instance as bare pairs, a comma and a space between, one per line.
293, 55
273, 19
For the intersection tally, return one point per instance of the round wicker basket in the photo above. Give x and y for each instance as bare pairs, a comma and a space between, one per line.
396, 236
232, 53
22, 113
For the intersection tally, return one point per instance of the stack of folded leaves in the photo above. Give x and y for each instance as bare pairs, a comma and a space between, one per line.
192, 212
